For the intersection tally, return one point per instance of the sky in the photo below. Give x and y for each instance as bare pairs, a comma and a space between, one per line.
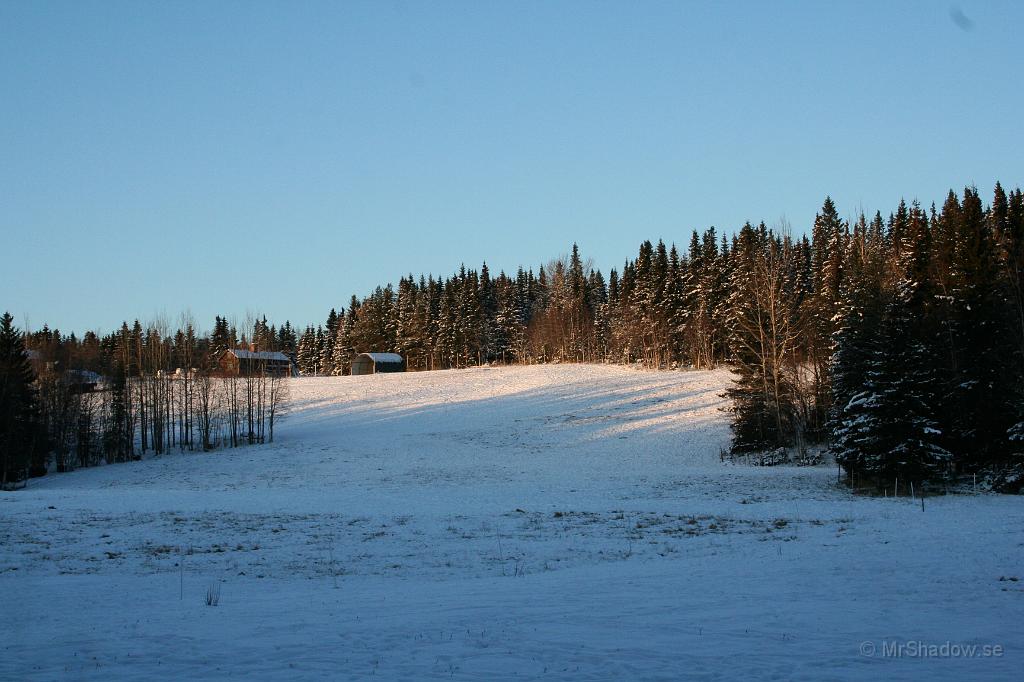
241, 158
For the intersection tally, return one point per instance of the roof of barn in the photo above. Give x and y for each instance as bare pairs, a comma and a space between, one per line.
386, 358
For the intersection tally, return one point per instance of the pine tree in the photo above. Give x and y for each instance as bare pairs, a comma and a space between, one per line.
307, 352
828, 244
855, 346
890, 428
705, 301
578, 310
469, 319
22, 431
317, 351
221, 339
119, 433
905, 439
408, 339
344, 349
287, 342
330, 333
446, 340
491, 341
511, 318
983, 380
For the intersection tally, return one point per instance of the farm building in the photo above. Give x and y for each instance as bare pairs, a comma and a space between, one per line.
82, 381
372, 363
237, 362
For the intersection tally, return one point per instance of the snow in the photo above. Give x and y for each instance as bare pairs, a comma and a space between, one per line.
384, 357
551, 522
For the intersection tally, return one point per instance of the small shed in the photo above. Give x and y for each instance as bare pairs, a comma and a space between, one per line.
81, 381
372, 363
244, 363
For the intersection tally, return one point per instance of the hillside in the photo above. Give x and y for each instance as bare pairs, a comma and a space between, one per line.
561, 521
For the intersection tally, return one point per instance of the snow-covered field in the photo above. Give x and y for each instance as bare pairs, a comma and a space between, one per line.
562, 522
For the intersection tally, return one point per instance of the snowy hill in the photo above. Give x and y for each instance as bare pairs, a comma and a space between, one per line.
534, 522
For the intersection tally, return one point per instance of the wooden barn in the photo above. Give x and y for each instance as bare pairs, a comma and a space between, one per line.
373, 363
82, 381
244, 363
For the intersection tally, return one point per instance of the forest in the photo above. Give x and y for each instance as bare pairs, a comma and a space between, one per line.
893, 344
67, 402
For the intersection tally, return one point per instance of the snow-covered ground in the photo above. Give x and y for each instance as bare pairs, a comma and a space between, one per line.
563, 522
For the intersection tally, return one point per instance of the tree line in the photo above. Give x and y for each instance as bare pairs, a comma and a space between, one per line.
894, 343
69, 402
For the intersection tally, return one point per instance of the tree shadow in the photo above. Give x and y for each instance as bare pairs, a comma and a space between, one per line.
685, 404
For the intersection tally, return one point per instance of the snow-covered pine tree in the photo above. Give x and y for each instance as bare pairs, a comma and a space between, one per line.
344, 349
894, 419
407, 341
673, 302
469, 319
828, 245
306, 353
904, 436
445, 337
500, 308
430, 312
317, 351
490, 335
707, 295
261, 336
596, 337
510, 319
326, 360
855, 345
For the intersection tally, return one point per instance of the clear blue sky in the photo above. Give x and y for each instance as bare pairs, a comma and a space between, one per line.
228, 157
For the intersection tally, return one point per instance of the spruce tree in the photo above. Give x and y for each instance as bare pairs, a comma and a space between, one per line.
856, 346
891, 428
828, 244
906, 438
22, 432
983, 382
344, 350
307, 352
221, 340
